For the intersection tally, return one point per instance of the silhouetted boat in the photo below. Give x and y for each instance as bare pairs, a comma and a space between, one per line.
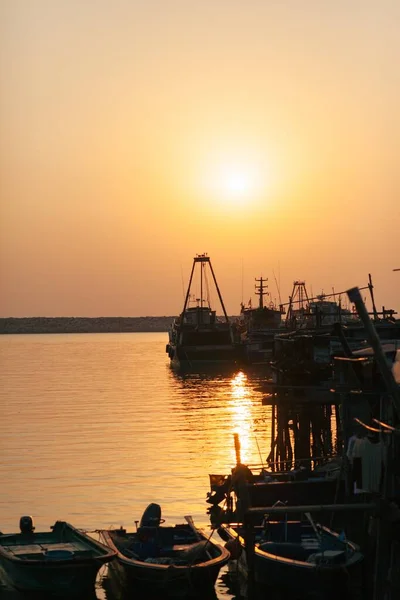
257, 487
62, 561
295, 556
173, 559
198, 337
258, 327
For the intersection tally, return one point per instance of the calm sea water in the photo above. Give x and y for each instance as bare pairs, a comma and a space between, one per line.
94, 427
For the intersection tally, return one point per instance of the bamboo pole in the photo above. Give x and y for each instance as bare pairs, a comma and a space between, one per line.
311, 508
373, 338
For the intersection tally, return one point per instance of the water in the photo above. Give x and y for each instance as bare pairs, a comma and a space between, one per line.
96, 426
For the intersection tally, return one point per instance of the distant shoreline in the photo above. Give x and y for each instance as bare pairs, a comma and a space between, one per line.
16, 325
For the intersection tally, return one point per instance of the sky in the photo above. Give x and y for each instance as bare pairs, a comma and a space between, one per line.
137, 134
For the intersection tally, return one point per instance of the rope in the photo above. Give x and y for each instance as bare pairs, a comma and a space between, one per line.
90, 530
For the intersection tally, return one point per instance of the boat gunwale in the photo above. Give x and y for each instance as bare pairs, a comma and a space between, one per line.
354, 558
133, 562
108, 553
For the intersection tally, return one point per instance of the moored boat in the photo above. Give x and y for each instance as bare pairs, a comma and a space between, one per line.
63, 561
173, 559
258, 327
198, 338
256, 486
302, 558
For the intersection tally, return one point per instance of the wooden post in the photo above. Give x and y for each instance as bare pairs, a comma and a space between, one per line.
382, 554
296, 447
237, 448
249, 545
304, 432
279, 438
273, 441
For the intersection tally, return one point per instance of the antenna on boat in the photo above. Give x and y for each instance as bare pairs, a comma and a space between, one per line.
242, 279
201, 284
260, 291
183, 283
277, 287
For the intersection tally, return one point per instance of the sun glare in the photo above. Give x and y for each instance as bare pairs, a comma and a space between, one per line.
235, 183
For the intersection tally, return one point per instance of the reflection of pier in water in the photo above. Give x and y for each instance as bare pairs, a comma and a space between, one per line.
288, 426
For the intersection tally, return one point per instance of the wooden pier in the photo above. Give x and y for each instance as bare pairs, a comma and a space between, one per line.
302, 420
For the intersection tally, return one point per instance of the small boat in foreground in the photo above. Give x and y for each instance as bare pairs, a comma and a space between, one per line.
64, 560
175, 559
296, 555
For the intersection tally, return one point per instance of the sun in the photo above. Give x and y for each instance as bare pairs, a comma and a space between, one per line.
234, 184
233, 176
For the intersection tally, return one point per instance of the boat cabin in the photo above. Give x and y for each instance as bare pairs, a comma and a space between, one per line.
199, 316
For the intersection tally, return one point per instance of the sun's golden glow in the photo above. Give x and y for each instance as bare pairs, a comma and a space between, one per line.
234, 179
235, 184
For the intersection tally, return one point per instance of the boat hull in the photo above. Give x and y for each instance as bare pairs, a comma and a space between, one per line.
169, 578
62, 562
294, 574
174, 581
190, 357
65, 580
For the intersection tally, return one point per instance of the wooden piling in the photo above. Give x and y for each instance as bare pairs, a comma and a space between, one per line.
237, 448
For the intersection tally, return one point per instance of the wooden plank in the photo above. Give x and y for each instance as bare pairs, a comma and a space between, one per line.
71, 546
25, 549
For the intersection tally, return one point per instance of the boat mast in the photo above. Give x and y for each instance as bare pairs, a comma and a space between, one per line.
203, 259
189, 286
220, 299
217, 288
260, 291
201, 285
371, 288
299, 296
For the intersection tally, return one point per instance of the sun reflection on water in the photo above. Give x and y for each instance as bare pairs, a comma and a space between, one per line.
241, 411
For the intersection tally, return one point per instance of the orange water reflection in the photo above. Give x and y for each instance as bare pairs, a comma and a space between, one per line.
220, 405
241, 408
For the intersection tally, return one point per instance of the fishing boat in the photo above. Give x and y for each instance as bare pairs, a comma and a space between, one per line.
257, 486
62, 561
258, 326
300, 557
198, 338
173, 559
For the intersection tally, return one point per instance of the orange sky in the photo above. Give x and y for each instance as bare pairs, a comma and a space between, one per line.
137, 134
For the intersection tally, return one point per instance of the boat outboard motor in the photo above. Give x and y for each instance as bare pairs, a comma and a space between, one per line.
26, 524
151, 516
